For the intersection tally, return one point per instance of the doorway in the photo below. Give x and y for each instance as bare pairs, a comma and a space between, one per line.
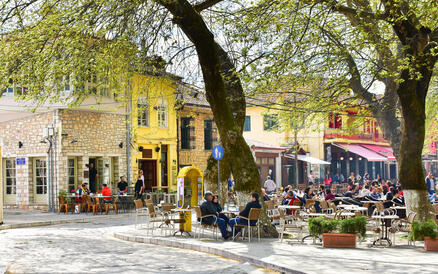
149, 168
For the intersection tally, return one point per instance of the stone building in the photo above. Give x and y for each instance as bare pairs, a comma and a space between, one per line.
48, 152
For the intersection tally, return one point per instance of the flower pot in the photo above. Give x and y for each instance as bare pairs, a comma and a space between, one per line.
430, 245
339, 240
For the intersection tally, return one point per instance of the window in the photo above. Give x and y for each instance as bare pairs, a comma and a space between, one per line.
162, 113
187, 133
247, 125
335, 120
8, 92
40, 180
209, 134
11, 181
270, 121
72, 174
143, 112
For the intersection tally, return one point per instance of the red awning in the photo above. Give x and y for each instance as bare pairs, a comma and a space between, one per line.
385, 151
361, 151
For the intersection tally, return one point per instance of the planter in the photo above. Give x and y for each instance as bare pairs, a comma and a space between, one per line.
430, 245
339, 240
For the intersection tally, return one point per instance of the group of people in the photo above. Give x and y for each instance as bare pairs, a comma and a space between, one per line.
106, 192
211, 206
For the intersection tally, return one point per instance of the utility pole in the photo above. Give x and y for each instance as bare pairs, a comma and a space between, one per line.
296, 143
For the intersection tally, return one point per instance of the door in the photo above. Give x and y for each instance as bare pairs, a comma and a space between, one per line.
40, 180
149, 168
104, 168
72, 174
164, 166
9, 181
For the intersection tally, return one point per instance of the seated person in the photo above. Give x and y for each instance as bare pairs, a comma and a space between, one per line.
122, 185
365, 191
217, 207
308, 194
375, 194
106, 192
399, 200
321, 192
245, 213
81, 191
207, 208
289, 200
387, 194
265, 196
329, 195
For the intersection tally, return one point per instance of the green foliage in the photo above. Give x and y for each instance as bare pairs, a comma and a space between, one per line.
317, 226
62, 192
354, 226
423, 229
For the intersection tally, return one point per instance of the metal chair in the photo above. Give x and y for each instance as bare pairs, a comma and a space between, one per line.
291, 223
214, 226
254, 215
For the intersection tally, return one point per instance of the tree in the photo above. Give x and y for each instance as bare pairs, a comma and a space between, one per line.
47, 40
352, 45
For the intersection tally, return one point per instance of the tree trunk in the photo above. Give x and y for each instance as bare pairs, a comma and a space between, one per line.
245, 171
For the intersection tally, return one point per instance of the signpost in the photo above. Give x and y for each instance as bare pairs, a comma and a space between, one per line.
218, 154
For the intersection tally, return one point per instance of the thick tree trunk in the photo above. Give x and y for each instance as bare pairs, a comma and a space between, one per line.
245, 171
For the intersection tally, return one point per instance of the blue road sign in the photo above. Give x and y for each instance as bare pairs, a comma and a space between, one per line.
21, 161
218, 152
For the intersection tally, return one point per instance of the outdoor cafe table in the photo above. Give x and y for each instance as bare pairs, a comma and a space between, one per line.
353, 207
183, 220
289, 207
230, 212
386, 222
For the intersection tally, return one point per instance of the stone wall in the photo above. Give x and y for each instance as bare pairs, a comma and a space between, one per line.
197, 156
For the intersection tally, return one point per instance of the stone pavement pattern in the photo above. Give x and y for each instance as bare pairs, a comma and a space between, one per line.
91, 247
98, 236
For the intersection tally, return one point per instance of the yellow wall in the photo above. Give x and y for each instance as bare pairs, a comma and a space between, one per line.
152, 136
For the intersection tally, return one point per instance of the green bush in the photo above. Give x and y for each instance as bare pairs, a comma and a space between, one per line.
63, 192
423, 229
317, 226
354, 226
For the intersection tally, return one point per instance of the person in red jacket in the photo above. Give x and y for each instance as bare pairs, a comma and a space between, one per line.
106, 192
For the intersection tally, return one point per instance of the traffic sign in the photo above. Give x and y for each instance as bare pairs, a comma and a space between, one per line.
218, 152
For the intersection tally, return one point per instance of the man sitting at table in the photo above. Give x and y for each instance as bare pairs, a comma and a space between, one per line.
375, 194
106, 192
245, 213
207, 208
122, 185
81, 191
289, 200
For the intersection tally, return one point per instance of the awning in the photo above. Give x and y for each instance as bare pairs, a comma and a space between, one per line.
361, 151
384, 151
308, 159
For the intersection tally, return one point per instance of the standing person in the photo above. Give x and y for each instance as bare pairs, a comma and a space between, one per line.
311, 178
270, 185
207, 208
327, 181
93, 178
341, 178
142, 178
138, 187
245, 213
122, 185
430, 183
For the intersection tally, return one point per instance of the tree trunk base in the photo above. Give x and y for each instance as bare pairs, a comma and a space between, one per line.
413, 200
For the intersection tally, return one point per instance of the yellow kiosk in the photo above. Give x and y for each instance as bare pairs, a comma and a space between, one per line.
190, 190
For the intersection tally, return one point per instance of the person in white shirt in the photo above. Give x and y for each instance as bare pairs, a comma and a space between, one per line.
365, 191
311, 178
270, 185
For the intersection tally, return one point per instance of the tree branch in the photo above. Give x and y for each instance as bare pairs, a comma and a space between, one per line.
205, 5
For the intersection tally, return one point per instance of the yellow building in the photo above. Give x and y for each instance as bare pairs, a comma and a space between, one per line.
154, 120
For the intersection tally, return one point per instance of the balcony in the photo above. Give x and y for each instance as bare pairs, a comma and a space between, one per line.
334, 133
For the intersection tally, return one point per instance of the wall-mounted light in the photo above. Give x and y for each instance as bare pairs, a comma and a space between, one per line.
106, 165
140, 148
342, 158
121, 145
157, 149
351, 158
87, 165
20, 144
174, 161
155, 108
360, 159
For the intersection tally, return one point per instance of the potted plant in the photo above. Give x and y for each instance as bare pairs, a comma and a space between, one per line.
62, 192
425, 231
319, 226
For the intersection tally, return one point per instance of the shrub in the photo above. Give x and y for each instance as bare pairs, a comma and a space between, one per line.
317, 226
354, 226
423, 229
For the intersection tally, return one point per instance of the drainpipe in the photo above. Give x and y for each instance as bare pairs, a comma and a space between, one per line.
128, 140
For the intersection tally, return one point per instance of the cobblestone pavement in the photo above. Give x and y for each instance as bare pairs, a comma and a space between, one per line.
91, 247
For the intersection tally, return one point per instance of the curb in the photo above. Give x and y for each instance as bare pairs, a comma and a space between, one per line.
65, 221
207, 249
